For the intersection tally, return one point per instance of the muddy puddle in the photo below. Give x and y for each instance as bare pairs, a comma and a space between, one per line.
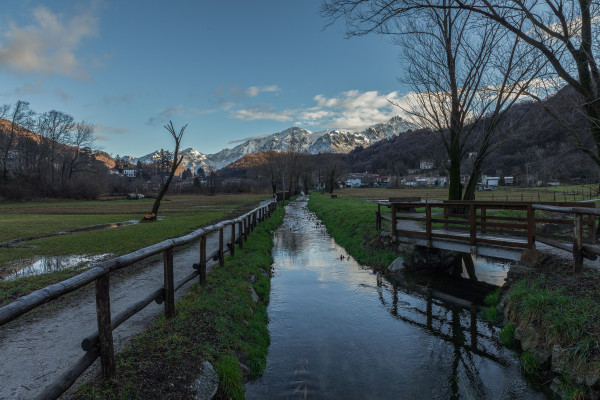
44, 265
340, 331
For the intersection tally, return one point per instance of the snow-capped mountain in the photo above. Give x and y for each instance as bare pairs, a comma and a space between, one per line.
388, 129
329, 141
192, 159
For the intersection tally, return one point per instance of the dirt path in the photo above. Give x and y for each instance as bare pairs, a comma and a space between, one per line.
37, 348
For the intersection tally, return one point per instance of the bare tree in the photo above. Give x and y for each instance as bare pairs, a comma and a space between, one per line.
564, 32
81, 137
55, 127
332, 168
21, 118
176, 162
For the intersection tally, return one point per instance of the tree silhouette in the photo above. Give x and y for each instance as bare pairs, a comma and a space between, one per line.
176, 161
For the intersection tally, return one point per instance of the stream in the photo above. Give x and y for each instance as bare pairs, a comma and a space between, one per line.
338, 330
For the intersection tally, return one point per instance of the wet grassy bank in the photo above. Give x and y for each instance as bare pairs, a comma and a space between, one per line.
218, 322
351, 222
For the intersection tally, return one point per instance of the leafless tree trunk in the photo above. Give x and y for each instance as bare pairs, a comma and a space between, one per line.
176, 162
564, 32
464, 73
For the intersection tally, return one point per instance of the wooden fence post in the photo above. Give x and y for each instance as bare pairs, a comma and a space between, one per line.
221, 253
530, 227
232, 249
169, 284
105, 338
446, 212
472, 227
394, 227
203, 259
577, 243
241, 239
428, 224
246, 228
483, 219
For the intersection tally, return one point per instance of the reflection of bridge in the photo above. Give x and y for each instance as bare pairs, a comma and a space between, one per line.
494, 228
455, 324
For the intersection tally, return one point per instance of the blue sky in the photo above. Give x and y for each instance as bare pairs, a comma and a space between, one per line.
229, 69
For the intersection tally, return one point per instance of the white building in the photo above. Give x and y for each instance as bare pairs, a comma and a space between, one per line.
130, 173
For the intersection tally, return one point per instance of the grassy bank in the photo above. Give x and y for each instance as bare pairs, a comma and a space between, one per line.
218, 322
182, 215
351, 222
564, 310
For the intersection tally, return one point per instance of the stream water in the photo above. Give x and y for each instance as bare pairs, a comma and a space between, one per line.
340, 331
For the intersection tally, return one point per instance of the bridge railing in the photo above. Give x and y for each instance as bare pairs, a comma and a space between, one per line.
100, 344
567, 226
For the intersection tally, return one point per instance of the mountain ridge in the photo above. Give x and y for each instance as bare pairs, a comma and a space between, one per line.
328, 141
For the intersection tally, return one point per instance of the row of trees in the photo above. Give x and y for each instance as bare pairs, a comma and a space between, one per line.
42, 153
467, 60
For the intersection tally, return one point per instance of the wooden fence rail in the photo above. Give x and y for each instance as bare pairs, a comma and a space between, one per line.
472, 222
101, 342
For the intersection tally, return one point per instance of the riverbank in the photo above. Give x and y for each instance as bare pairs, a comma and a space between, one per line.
553, 317
549, 312
351, 222
224, 322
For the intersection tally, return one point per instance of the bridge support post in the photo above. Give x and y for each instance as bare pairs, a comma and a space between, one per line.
428, 224
530, 227
472, 227
578, 243
394, 227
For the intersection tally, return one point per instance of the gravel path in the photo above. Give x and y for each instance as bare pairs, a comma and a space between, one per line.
38, 347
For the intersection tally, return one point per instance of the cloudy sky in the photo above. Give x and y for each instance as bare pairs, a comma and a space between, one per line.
230, 69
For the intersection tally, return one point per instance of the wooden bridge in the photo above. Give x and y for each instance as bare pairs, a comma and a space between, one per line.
494, 228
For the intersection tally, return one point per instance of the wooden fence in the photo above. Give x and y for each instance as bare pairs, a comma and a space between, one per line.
101, 343
478, 222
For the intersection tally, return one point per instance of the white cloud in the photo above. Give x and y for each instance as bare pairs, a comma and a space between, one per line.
49, 45
257, 137
29, 88
64, 96
110, 130
352, 110
165, 115
263, 112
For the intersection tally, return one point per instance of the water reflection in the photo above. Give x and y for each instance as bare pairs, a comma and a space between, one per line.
44, 265
340, 331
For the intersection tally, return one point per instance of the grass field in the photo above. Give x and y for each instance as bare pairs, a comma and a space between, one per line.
504, 193
182, 214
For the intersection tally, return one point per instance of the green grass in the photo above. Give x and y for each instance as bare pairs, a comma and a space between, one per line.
492, 315
529, 363
218, 322
507, 335
182, 215
351, 222
492, 299
566, 312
